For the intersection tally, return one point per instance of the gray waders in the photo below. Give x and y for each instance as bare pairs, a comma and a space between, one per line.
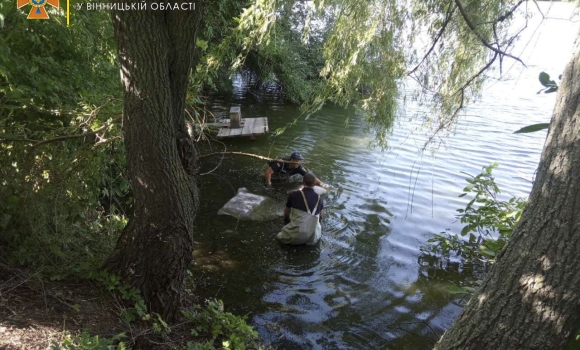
304, 227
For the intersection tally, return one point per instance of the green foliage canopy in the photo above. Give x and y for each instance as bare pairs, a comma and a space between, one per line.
58, 85
366, 50
60, 93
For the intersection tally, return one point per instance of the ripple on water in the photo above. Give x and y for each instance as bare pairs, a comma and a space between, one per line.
366, 285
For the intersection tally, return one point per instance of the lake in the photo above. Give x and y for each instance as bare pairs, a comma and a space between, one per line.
367, 285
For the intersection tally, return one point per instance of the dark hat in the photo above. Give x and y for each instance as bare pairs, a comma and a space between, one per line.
296, 155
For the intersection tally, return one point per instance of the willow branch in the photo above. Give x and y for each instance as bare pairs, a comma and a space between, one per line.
437, 37
470, 80
446, 122
510, 12
539, 9
480, 37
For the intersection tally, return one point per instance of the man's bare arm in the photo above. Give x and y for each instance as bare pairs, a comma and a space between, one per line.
268, 176
318, 182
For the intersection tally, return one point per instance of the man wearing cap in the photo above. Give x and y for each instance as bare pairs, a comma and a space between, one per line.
287, 167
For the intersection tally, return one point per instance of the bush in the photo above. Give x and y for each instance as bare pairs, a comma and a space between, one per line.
489, 224
224, 329
87, 342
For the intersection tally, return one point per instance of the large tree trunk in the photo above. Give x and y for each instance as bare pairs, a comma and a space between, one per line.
155, 249
531, 298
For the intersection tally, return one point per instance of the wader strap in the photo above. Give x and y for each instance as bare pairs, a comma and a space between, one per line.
306, 203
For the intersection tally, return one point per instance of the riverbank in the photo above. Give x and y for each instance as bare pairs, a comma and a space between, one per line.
36, 313
79, 313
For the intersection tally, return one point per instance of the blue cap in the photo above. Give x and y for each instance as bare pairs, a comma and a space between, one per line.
296, 155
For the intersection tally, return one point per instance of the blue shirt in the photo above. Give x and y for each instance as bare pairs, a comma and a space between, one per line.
296, 201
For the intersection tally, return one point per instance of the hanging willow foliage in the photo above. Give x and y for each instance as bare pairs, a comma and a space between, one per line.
374, 52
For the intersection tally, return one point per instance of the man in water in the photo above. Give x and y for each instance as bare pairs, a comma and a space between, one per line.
302, 214
285, 168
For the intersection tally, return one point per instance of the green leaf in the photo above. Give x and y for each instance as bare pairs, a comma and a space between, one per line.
202, 44
467, 229
545, 80
493, 165
487, 252
533, 128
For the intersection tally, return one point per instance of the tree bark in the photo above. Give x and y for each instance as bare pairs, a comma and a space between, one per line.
155, 249
531, 297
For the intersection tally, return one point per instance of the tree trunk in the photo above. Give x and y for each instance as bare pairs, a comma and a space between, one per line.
155, 249
531, 297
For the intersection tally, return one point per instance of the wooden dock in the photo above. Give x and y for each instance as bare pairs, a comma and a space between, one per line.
249, 127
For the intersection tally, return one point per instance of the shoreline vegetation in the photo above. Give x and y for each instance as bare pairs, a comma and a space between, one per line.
96, 314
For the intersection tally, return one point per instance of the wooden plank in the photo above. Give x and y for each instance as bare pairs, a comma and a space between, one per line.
258, 126
264, 126
223, 132
236, 132
249, 126
218, 125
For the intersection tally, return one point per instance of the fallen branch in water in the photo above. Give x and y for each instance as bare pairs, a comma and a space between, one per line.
249, 155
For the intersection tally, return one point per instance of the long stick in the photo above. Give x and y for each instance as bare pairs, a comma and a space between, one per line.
247, 154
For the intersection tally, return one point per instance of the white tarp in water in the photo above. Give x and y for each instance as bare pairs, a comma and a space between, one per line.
249, 206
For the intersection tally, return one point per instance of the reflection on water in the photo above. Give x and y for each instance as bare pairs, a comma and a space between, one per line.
366, 284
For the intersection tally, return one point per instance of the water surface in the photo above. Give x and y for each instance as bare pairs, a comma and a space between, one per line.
366, 285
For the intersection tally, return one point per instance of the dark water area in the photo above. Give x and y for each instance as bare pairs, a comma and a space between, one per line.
366, 285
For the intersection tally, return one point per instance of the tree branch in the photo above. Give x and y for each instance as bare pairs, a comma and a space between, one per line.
60, 138
37, 143
66, 137
510, 12
477, 74
480, 37
249, 155
446, 122
437, 37
539, 9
